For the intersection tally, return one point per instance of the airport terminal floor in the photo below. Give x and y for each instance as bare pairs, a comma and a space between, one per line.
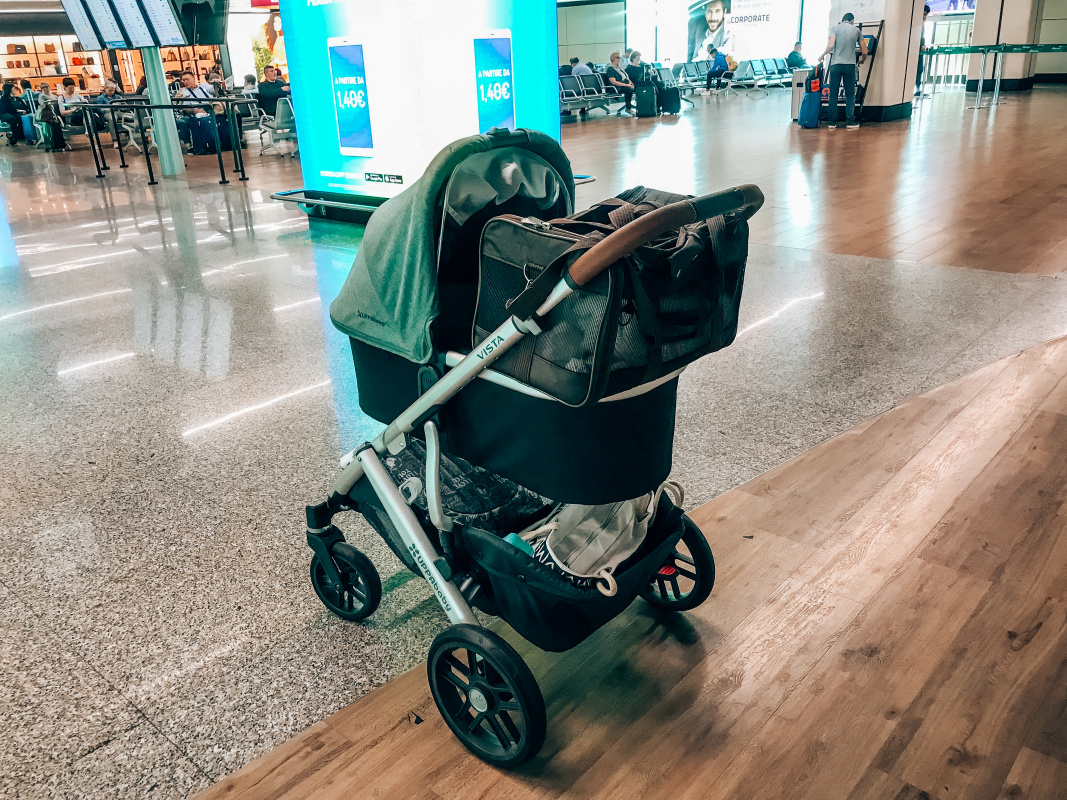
878, 463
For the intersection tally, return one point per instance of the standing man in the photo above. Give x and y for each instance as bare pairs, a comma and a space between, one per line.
844, 39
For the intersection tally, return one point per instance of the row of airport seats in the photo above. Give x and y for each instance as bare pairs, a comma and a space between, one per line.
593, 91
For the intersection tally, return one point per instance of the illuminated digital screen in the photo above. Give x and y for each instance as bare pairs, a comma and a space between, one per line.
138, 34
83, 29
164, 21
494, 84
405, 78
110, 32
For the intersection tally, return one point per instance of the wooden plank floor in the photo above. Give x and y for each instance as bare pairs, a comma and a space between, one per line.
890, 621
954, 187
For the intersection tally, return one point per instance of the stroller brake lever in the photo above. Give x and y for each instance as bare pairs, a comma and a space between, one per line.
433, 478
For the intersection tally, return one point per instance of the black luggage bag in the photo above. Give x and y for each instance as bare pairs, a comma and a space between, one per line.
645, 97
670, 99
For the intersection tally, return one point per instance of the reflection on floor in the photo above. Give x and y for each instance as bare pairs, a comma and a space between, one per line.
172, 394
889, 621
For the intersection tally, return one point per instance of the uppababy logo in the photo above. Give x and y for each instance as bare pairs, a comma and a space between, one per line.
490, 347
368, 317
429, 577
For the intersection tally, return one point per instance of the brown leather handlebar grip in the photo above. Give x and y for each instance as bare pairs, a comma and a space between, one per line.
747, 199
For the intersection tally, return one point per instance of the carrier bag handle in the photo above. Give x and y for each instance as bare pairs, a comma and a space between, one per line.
747, 199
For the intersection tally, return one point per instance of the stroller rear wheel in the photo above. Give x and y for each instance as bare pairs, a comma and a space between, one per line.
487, 695
361, 589
686, 577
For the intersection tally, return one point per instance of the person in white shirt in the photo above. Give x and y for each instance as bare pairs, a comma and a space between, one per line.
194, 123
578, 68
69, 95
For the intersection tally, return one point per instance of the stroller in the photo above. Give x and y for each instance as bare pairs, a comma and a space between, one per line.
526, 361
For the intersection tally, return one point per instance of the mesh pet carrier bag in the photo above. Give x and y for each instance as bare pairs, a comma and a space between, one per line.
675, 299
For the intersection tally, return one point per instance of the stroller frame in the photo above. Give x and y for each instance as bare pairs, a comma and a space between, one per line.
453, 590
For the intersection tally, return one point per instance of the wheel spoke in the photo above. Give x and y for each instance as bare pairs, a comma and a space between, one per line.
511, 705
512, 728
355, 590
456, 680
687, 573
684, 559
662, 589
677, 589
498, 730
451, 660
475, 723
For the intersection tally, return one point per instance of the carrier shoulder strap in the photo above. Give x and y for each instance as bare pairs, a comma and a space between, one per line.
530, 299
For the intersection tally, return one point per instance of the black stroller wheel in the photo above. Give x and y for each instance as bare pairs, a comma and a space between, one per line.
487, 695
361, 589
685, 579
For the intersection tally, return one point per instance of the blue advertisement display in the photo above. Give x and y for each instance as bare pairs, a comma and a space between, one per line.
496, 89
380, 86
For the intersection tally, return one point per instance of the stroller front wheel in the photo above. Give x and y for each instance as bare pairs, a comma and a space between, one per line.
685, 579
361, 589
487, 695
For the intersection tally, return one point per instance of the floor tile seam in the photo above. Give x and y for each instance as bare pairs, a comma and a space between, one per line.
107, 682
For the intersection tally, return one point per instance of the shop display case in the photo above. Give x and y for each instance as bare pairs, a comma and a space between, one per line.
51, 58
200, 59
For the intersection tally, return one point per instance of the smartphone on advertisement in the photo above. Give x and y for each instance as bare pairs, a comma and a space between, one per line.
351, 98
495, 82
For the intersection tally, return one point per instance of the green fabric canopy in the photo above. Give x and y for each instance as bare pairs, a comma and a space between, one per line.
390, 297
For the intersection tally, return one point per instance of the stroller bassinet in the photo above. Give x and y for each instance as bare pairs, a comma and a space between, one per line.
471, 454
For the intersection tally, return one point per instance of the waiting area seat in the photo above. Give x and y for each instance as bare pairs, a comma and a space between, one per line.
585, 92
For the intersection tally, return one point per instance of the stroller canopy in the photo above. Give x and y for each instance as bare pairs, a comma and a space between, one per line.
390, 298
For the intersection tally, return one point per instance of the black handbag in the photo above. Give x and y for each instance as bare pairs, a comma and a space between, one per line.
674, 300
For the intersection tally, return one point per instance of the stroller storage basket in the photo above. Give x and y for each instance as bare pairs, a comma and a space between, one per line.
647, 316
545, 609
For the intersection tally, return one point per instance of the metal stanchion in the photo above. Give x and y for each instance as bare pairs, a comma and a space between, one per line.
118, 137
981, 77
87, 117
218, 143
235, 139
144, 146
934, 73
1000, 71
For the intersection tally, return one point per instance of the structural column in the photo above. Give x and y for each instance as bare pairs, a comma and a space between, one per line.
892, 86
164, 129
1006, 22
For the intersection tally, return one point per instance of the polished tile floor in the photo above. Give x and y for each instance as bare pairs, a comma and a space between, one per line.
172, 394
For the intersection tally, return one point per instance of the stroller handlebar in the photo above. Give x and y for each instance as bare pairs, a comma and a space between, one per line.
746, 198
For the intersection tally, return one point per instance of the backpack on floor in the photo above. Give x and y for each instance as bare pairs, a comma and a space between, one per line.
808, 116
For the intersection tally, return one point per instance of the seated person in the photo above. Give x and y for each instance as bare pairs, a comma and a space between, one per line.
795, 60
194, 123
70, 94
271, 89
50, 117
616, 76
12, 107
250, 85
110, 95
142, 87
719, 67
637, 70
578, 68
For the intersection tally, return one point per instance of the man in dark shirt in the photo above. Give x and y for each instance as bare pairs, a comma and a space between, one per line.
271, 89
795, 60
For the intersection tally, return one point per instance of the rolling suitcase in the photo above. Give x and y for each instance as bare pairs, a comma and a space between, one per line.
808, 116
645, 96
670, 98
28, 130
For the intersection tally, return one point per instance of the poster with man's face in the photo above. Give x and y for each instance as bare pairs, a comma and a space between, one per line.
708, 28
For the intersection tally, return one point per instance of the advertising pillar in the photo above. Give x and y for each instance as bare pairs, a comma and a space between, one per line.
1005, 22
380, 86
